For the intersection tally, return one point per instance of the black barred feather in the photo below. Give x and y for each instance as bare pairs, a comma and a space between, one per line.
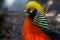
40, 20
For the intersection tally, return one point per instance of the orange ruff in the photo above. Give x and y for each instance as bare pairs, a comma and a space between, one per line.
31, 32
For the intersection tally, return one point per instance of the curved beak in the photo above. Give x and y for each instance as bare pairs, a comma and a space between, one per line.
26, 12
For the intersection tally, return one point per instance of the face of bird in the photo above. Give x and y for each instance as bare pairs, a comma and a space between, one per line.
31, 12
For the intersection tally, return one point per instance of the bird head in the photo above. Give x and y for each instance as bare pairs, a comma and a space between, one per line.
32, 7
31, 12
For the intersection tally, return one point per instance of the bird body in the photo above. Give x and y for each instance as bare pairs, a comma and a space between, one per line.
31, 32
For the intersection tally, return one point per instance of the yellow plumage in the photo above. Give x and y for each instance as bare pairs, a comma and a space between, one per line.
34, 4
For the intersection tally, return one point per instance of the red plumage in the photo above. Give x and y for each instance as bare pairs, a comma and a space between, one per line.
32, 32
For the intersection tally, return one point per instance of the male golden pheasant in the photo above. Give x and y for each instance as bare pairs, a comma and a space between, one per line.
35, 26
29, 30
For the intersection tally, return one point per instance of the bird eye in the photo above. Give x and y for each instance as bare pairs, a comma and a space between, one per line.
31, 10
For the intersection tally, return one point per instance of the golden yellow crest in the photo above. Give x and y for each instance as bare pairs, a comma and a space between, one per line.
34, 4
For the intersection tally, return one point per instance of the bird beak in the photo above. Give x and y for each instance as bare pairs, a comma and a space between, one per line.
26, 12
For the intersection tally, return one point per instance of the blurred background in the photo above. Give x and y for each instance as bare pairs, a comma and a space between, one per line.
12, 11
